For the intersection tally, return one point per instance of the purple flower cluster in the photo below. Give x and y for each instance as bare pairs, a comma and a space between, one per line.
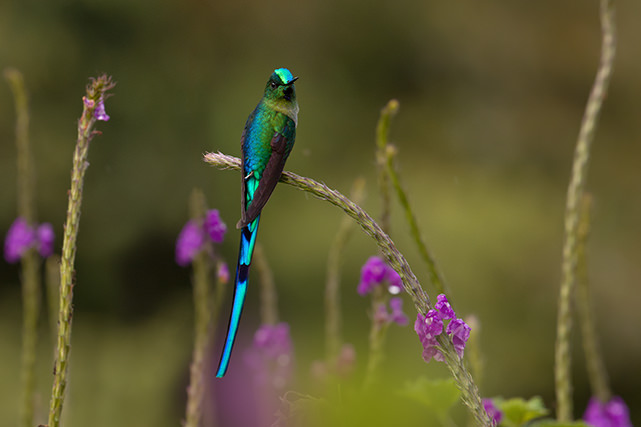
610, 414
99, 112
192, 237
223, 272
429, 326
374, 272
495, 413
396, 316
22, 237
271, 356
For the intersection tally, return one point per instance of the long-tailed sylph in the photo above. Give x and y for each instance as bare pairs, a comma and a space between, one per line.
266, 142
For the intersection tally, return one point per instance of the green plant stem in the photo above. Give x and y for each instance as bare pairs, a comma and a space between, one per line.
31, 296
385, 156
95, 92
597, 374
52, 286
377, 334
435, 277
26, 171
395, 259
30, 262
576, 189
333, 321
382, 136
201, 282
268, 294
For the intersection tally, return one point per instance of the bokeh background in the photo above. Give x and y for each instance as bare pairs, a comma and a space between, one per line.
491, 94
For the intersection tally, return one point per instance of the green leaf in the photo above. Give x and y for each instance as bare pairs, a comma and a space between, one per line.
517, 412
438, 395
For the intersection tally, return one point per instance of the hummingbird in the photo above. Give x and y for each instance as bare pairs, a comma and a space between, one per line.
266, 142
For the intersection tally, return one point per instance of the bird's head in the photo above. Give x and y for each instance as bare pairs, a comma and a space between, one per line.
280, 86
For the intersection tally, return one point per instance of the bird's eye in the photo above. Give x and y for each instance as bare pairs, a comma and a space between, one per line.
273, 85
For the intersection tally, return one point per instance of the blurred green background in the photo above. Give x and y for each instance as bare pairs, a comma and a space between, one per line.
492, 94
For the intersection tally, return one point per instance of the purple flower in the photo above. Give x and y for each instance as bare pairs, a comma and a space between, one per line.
19, 239
460, 333
495, 414
428, 327
431, 325
223, 272
394, 280
444, 307
611, 414
190, 241
45, 238
192, 238
271, 356
372, 274
99, 113
214, 226
397, 316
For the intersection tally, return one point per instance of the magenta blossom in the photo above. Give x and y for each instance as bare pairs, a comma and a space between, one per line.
444, 307
614, 413
271, 356
374, 272
190, 241
429, 326
22, 237
45, 238
99, 113
460, 333
214, 226
19, 239
495, 413
192, 237
223, 272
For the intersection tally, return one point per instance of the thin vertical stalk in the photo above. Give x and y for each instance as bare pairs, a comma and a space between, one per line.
268, 294
30, 262
52, 286
201, 279
378, 329
377, 334
469, 392
333, 321
597, 374
31, 296
96, 93
382, 137
576, 189
386, 152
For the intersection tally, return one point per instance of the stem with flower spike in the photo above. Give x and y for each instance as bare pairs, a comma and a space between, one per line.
31, 293
575, 193
96, 93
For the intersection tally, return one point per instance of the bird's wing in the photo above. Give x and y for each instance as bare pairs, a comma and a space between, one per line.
267, 181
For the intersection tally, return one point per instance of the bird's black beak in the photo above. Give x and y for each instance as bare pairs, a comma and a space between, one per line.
293, 80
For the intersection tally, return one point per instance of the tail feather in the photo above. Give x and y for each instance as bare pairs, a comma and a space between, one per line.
247, 242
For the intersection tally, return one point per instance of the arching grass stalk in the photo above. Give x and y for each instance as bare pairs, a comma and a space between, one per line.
202, 284
333, 340
597, 373
30, 262
93, 110
470, 393
576, 189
